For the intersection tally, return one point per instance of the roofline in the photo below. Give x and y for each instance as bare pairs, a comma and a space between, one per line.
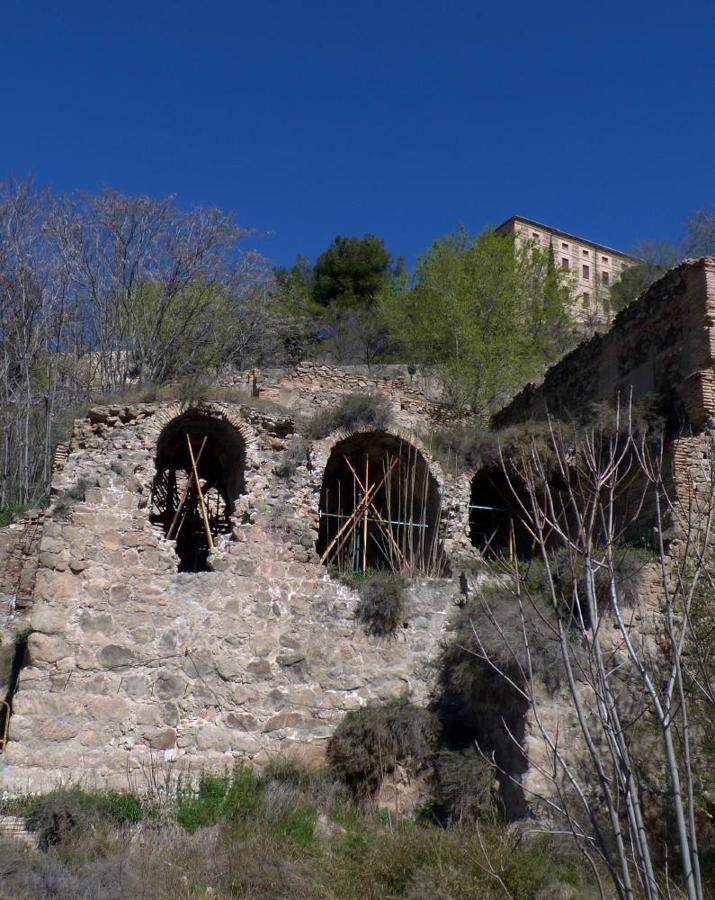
567, 234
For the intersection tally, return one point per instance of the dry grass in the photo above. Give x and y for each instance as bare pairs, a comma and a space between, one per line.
354, 413
279, 836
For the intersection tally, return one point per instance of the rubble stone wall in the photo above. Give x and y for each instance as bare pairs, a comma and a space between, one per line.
312, 386
19, 549
131, 663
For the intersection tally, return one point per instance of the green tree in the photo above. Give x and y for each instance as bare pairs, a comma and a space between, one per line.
485, 314
351, 273
332, 305
654, 258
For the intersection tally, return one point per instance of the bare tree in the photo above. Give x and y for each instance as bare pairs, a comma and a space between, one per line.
100, 290
38, 326
159, 284
626, 665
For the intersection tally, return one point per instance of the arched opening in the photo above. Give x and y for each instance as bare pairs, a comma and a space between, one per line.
380, 508
200, 461
496, 526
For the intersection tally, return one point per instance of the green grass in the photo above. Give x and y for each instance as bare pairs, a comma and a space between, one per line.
247, 835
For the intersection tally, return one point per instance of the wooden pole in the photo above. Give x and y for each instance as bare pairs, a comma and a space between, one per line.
170, 533
350, 525
364, 519
381, 521
202, 505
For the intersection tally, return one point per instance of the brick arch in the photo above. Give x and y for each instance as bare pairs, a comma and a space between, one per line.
323, 448
213, 410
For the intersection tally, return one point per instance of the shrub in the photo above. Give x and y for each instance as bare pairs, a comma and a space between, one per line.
295, 454
353, 413
243, 797
370, 742
472, 447
464, 786
54, 816
381, 607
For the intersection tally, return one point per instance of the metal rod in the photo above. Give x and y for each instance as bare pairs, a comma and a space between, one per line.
370, 505
354, 518
384, 521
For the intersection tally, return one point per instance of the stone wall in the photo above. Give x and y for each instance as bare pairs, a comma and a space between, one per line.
663, 344
19, 549
132, 663
313, 386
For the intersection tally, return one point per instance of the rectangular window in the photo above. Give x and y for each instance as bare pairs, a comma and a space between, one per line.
604, 259
585, 252
564, 263
535, 235
586, 273
586, 301
564, 246
604, 277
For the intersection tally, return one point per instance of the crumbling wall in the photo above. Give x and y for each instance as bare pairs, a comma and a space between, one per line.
661, 345
311, 386
19, 551
131, 663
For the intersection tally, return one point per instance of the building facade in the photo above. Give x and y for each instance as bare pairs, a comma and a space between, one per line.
592, 268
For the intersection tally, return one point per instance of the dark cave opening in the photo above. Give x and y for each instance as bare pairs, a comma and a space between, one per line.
496, 526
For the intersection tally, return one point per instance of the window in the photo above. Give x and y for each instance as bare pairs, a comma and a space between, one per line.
586, 300
564, 263
604, 277
585, 252
586, 273
604, 259
564, 246
535, 235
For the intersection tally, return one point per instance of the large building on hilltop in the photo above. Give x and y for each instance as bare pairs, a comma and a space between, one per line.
593, 267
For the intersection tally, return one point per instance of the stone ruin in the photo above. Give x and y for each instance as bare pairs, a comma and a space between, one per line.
232, 640
149, 645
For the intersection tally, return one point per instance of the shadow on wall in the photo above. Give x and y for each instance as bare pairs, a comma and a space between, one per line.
380, 508
200, 463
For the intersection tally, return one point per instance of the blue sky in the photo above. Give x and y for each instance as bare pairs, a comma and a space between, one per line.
312, 119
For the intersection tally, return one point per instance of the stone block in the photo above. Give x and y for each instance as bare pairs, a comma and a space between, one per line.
60, 729
241, 721
99, 623
160, 738
231, 666
43, 649
56, 586
48, 619
283, 720
114, 656
169, 685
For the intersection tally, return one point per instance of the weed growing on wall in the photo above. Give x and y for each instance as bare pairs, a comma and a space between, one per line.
355, 412
381, 605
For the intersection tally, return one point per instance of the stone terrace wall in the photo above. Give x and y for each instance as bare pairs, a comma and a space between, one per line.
662, 344
312, 386
132, 663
